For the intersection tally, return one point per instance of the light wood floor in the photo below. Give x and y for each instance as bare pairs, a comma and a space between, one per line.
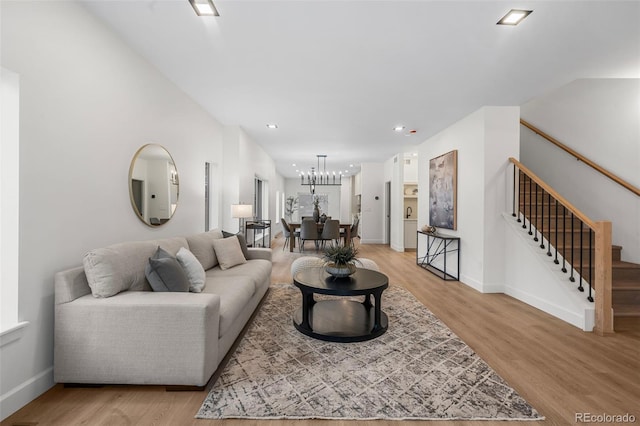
557, 368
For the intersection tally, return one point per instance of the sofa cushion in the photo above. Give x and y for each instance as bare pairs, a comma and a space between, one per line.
201, 245
257, 270
193, 268
229, 252
234, 297
120, 267
166, 274
241, 239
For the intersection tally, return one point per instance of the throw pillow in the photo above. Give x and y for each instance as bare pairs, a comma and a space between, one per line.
229, 252
241, 239
164, 273
193, 268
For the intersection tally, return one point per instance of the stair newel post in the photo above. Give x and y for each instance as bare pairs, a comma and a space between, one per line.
580, 287
603, 261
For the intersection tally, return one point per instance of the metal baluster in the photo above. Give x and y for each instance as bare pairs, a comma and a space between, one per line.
590, 297
530, 206
564, 239
549, 238
513, 212
580, 287
535, 236
556, 261
520, 192
542, 221
571, 278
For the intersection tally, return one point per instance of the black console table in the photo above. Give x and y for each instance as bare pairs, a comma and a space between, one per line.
258, 226
439, 248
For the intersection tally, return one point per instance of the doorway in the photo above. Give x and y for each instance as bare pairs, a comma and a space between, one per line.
387, 213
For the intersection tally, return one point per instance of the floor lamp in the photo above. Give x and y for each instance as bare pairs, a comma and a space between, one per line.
241, 212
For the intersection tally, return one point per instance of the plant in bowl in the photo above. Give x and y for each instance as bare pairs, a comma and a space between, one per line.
340, 260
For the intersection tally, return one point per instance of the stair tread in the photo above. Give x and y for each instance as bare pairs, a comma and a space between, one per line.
625, 265
625, 285
626, 311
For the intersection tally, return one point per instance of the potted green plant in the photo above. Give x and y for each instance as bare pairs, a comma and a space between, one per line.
340, 259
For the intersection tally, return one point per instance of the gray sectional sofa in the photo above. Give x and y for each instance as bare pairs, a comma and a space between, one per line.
112, 328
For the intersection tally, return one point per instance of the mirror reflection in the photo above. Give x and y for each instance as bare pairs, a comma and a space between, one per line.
153, 185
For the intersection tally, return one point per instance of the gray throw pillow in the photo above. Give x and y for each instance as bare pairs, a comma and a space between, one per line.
165, 273
193, 268
241, 239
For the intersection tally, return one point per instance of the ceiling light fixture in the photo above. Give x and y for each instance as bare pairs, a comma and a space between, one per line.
204, 8
272, 126
514, 17
320, 177
398, 128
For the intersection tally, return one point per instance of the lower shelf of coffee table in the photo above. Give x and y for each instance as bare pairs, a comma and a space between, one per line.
341, 321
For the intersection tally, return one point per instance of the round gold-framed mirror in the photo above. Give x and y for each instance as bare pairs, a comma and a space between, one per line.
154, 187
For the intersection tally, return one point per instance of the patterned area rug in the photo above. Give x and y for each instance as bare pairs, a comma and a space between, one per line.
419, 369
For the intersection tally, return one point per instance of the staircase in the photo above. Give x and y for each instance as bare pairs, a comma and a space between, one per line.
566, 238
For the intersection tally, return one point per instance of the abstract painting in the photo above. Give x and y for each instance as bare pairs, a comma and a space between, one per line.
443, 172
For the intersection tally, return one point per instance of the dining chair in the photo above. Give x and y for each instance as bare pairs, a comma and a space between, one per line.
286, 231
330, 231
308, 231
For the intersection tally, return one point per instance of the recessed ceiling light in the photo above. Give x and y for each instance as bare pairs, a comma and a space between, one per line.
350, 165
398, 128
204, 8
514, 17
272, 126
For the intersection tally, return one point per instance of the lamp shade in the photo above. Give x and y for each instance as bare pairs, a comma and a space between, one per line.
241, 211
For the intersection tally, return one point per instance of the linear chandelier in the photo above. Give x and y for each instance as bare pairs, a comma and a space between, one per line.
317, 177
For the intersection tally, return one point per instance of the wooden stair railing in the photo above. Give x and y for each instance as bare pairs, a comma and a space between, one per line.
539, 205
582, 158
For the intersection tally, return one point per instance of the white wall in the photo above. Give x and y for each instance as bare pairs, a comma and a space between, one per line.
599, 118
87, 103
244, 160
484, 140
372, 218
334, 193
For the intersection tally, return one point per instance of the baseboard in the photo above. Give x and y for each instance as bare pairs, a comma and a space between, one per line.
397, 248
468, 281
26, 392
584, 322
363, 241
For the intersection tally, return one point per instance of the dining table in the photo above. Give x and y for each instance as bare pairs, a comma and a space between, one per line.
346, 227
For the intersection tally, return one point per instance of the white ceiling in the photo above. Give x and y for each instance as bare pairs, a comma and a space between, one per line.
337, 76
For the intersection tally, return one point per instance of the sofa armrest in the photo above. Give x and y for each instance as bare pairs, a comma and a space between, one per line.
259, 253
137, 338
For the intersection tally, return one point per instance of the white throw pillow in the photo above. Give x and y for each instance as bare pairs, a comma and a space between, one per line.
193, 268
229, 252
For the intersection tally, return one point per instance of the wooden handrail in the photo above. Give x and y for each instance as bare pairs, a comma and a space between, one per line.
577, 213
582, 158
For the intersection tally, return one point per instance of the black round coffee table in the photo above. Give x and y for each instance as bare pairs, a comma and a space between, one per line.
341, 320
